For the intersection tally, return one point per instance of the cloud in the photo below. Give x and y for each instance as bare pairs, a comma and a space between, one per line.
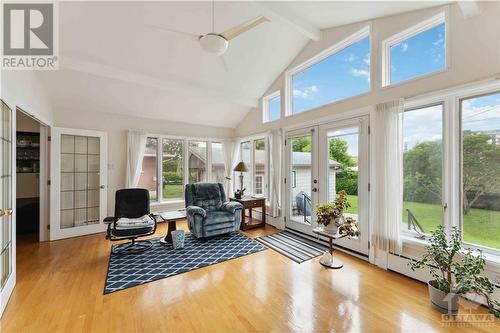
357, 72
306, 93
351, 58
439, 41
404, 47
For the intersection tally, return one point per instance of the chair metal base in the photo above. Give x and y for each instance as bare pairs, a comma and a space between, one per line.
132, 247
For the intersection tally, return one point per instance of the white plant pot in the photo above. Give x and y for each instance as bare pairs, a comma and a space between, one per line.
441, 301
331, 228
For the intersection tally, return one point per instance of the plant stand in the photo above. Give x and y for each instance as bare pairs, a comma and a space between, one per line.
328, 259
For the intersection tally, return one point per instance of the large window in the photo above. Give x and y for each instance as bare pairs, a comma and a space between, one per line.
271, 107
415, 52
451, 159
218, 166
149, 173
260, 185
173, 169
423, 168
170, 163
480, 122
338, 73
197, 161
245, 152
254, 154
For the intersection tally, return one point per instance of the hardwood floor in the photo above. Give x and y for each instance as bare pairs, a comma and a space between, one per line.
60, 289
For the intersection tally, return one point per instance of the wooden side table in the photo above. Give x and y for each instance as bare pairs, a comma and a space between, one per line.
250, 203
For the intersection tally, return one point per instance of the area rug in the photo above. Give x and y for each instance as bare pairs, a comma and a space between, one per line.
162, 261
293, 246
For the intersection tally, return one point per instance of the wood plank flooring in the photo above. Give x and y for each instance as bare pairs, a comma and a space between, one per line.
60, 289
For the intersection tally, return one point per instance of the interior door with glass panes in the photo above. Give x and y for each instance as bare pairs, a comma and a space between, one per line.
343, 166
7, 217
302, 181
79, 182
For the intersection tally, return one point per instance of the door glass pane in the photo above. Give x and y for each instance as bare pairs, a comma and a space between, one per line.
343, 166
301, 173
173, 169
197, 161
481, 170
5, 193
78, 165
245, 157
260, 184
218, 166
149, 173
422, 168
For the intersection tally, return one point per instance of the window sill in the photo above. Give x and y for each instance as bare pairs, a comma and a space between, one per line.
492, 259
166, 202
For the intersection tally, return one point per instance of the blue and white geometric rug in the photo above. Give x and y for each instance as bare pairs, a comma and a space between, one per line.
161, 261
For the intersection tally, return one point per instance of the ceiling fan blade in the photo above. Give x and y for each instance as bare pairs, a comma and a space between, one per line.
243, 27
189, 35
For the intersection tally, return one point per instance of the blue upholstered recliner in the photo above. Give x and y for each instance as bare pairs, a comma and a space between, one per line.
207, 211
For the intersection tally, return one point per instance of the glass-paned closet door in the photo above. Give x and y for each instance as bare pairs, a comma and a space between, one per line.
80, 163
6, 241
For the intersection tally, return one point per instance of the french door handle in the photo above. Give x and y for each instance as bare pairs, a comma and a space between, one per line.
102, 187
7, 212
315, 189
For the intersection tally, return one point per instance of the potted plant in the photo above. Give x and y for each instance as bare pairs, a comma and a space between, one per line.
455, 271
331, 216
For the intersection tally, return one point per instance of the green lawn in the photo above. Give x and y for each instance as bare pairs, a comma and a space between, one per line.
173, 191
480, 226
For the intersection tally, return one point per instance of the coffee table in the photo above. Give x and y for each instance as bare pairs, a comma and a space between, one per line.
171, 217
330, 262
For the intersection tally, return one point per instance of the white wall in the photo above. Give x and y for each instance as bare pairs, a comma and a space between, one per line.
25, 90
117, 126
474, 48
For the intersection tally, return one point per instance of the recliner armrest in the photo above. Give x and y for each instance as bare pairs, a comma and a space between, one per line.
192, 210
231, 206
109, 220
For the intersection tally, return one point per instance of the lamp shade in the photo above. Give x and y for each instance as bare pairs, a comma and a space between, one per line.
241, 167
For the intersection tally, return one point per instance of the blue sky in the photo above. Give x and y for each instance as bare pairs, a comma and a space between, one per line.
481, 113
274, 108
342, 75
419, 55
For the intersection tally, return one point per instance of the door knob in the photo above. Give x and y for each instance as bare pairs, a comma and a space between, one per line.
8, 212
102, 187
315, 189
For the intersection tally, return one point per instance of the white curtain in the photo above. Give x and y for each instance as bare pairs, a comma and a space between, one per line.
228, 166
275, 140
387, 195
136, 145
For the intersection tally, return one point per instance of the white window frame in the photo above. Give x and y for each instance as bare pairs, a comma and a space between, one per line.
159, 168
265, 106
352, 39
410, 32
251, 173
452, 152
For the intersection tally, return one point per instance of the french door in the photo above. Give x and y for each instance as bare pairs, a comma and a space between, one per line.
323, 160
7, 217
79, 182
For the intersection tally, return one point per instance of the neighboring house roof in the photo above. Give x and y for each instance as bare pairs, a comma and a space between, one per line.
299, 158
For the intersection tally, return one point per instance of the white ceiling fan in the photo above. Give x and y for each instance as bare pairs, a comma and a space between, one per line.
217, 43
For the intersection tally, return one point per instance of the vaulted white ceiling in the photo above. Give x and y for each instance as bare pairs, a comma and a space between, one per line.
113, 61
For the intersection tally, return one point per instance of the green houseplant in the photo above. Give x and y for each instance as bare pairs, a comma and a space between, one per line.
455, 271
331, 216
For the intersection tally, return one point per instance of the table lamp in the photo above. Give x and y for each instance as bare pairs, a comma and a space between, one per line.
241, 167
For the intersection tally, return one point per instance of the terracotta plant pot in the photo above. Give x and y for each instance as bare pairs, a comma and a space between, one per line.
441, 301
